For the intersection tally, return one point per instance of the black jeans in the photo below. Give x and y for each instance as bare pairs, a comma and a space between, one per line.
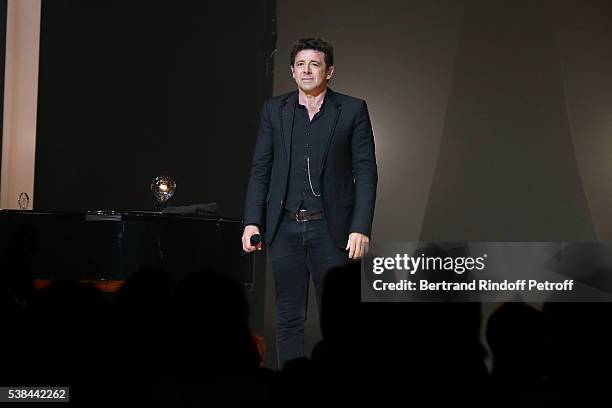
299, 251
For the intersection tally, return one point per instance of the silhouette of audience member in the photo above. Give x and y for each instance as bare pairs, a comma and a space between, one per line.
69, 339
579, 348
515, 334
383, 352
138, 312
210, 355
333, 372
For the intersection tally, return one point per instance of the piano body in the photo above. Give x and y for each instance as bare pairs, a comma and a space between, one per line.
109, 246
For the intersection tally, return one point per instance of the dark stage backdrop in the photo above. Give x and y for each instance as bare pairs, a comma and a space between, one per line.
132, 90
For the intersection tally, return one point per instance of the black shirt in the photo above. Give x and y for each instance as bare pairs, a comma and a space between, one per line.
306, 142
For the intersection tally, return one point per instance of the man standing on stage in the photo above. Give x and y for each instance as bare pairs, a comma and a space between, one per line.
312, 187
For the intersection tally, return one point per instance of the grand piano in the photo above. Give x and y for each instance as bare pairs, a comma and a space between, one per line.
104, 248
107, 247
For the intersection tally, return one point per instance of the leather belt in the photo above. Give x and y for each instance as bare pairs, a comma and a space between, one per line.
305, 215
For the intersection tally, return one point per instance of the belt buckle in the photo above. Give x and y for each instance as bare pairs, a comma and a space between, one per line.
299, 216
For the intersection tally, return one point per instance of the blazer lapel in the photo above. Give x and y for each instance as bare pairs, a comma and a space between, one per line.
287, 110
333, 107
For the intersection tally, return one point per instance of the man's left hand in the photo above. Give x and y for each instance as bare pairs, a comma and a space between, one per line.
357, 245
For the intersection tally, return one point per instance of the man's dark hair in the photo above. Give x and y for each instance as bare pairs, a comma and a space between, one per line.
316, 44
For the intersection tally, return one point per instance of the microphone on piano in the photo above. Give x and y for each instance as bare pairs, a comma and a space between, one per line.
255, 240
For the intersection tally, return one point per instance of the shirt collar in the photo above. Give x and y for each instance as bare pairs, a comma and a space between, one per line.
297, 100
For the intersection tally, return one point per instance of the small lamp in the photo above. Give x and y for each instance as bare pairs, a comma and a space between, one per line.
163, 187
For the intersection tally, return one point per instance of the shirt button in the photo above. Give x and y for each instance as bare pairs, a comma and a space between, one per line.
303, 194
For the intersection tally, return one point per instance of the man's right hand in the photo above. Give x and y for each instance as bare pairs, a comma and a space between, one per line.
249, 231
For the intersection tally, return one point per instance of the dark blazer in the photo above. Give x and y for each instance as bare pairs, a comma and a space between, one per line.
347, 173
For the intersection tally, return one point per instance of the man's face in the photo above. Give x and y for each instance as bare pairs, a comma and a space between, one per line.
309, 71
